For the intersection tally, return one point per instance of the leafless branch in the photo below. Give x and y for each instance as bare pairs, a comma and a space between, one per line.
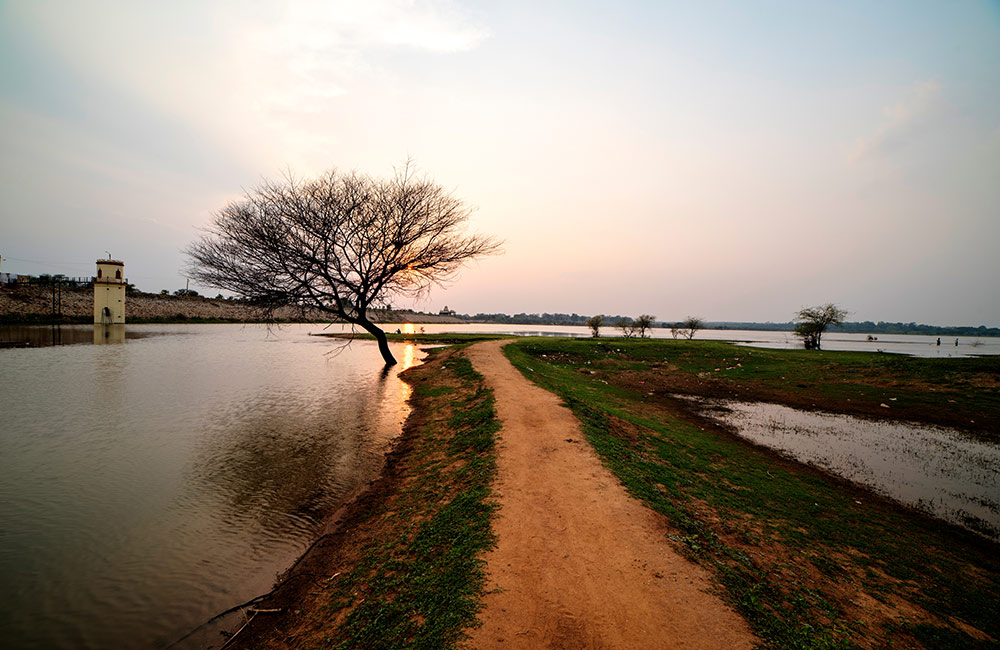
343, 244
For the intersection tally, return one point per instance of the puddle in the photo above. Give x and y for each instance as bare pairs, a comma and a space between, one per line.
940, 471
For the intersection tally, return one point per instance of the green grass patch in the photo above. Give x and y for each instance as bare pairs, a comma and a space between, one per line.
964, 392
420, 577
808, 563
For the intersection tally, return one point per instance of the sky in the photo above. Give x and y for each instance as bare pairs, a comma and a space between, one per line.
728, 160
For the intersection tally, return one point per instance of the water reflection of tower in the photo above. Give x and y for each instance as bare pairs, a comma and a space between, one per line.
109, 293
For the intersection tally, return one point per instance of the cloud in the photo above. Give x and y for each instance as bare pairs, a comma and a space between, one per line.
903, 123
433, 26
992, 143
257, 76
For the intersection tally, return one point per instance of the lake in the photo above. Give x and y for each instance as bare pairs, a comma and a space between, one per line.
147, 486
909, 344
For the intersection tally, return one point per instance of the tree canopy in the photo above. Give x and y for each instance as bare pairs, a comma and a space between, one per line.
811, 322
642, 323
688, 328
594, 323
343, 243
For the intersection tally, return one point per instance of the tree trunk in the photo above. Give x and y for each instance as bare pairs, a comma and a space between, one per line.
383, 342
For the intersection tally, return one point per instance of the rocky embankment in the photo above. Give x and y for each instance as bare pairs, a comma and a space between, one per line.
34, 304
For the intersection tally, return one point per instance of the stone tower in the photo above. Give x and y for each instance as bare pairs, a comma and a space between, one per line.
109, 293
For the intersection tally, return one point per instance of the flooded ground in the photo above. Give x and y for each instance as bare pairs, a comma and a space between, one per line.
941, 471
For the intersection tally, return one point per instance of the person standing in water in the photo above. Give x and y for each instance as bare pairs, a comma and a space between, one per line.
939, 341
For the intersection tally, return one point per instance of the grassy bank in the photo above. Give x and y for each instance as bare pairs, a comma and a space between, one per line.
454, 338
404, 568
963, 393
809, 561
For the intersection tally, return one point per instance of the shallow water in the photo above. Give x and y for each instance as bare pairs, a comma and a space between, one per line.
149, 485
941, 471
908, 344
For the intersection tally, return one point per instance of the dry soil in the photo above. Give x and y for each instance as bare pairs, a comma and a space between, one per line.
579, 563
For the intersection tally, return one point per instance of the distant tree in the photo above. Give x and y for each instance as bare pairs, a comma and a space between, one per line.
690, 326
595, 323
643, 323
811, 322
626, 326
186, 292
344, 244
675, 329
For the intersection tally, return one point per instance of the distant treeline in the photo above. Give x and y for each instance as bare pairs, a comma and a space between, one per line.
915, 328
868, 327
539, 319
862, 327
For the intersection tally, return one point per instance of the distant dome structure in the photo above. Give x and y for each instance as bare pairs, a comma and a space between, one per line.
109, 292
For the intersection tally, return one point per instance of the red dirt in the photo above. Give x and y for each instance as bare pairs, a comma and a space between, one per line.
579, 563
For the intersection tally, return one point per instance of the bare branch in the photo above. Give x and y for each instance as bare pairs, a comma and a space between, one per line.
341, 244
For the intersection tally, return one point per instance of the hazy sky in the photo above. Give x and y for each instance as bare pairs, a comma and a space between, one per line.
736, 161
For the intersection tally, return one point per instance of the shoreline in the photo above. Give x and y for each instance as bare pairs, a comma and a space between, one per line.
367, 520
339, 550
334, 537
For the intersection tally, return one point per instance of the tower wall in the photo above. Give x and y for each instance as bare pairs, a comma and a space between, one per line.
109, 293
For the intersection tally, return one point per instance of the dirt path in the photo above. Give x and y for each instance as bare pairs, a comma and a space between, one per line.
579, 563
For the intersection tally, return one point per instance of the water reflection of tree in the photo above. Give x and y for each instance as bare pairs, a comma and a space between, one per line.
279, 465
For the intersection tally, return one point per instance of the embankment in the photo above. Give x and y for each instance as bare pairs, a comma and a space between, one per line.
39, 304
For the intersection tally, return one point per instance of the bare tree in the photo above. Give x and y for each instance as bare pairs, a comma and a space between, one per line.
643, 323
626, 326
595, 323
691, 326
811, 322
343, 244
688, 328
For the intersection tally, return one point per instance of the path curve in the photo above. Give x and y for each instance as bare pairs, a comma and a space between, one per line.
579, 563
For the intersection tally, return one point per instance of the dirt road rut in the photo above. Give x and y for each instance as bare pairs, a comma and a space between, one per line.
579, 563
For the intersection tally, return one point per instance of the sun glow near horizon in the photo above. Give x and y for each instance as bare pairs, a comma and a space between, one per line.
646, 157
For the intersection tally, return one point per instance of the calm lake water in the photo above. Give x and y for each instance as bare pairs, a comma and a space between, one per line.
147, 486
914, 345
